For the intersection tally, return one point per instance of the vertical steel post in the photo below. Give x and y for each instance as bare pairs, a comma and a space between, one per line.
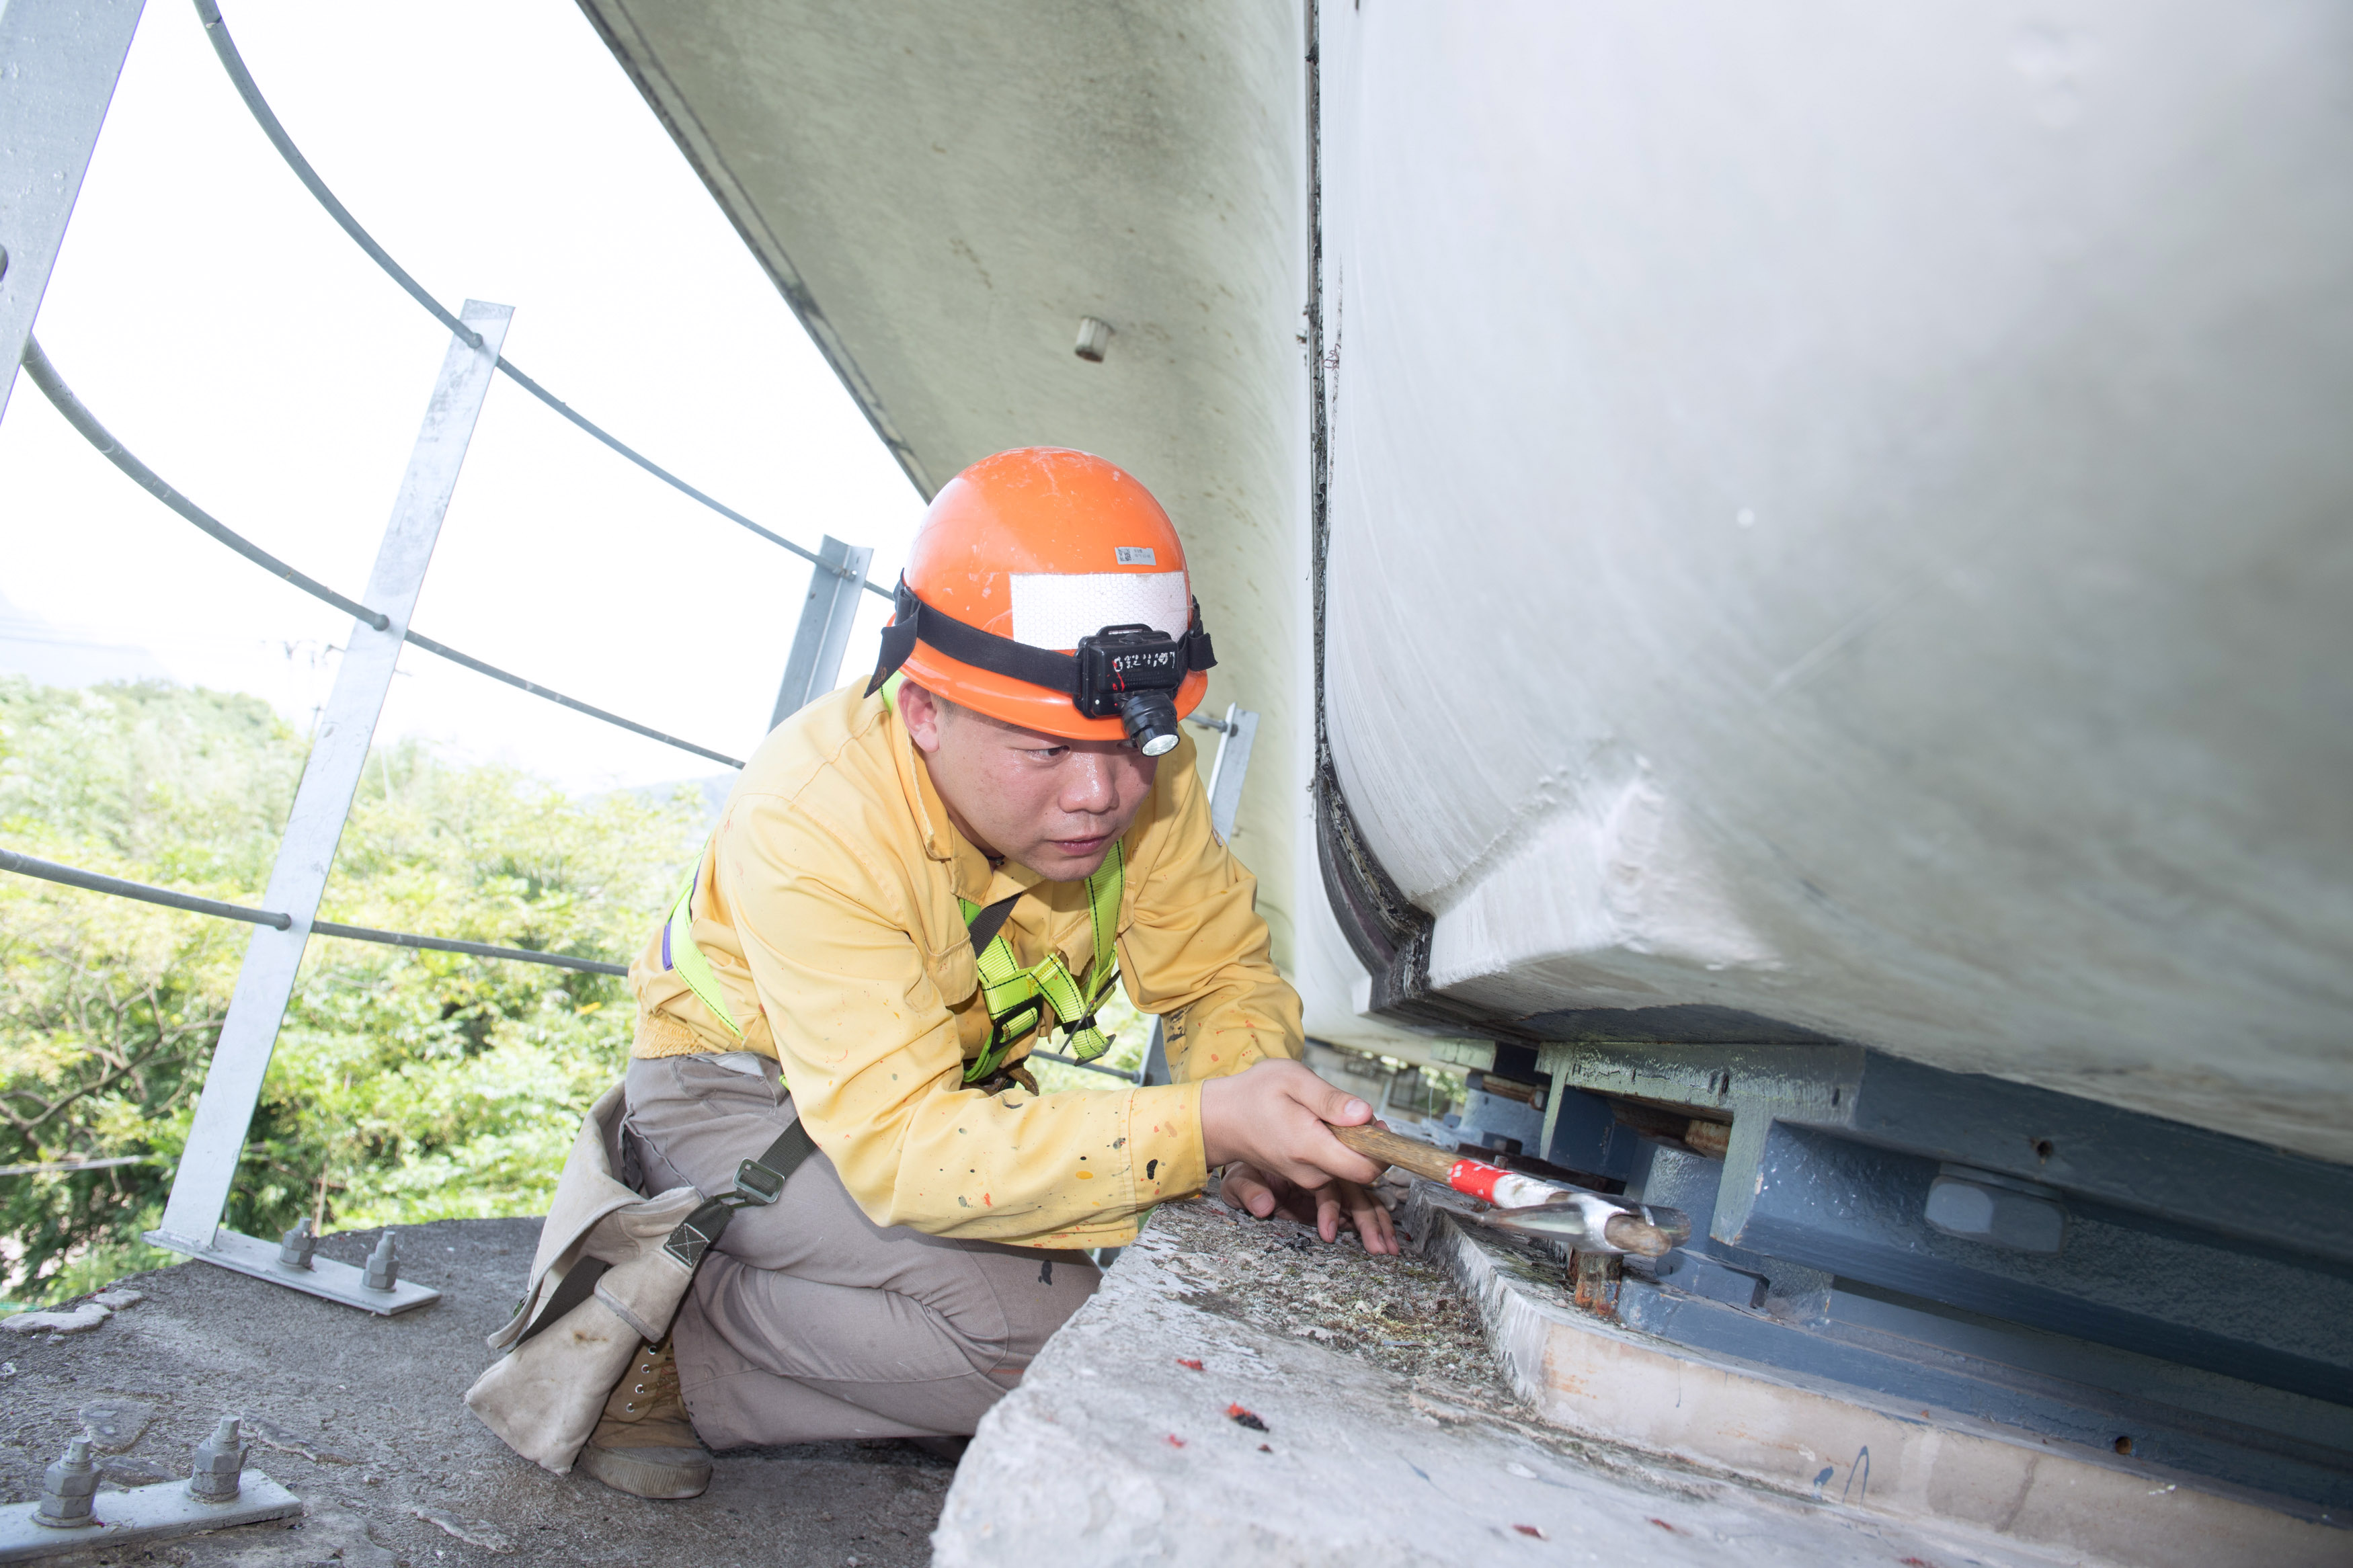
1230, 768
233, 1085
59, 60
1227, 772
814, 664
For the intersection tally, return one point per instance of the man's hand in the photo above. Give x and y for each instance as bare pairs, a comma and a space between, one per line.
1274, 1116
1248, 1187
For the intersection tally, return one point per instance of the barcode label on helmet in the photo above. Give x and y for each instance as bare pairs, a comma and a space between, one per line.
1134, 555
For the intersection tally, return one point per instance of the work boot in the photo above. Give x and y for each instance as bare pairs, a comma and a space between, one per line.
645, 1443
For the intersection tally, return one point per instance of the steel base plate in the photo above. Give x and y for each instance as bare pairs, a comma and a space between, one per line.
143, 1513
335, 1281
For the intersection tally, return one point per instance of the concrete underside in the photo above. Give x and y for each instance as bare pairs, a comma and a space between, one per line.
1115, 1451
379, 1402
942, 190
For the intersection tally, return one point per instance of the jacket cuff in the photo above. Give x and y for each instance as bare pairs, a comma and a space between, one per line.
1163, 1141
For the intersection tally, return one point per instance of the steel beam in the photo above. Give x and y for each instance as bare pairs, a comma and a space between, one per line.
59, 60
233, 1084
814, 666
1846, 1168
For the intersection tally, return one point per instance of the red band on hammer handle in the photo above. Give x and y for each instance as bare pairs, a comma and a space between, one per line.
1476, 1178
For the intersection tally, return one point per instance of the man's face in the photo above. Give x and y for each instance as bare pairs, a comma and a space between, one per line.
1053, 805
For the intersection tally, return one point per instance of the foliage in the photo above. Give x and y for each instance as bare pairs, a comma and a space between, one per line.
406, 1086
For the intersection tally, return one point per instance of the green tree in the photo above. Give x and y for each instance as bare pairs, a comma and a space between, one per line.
406, 1086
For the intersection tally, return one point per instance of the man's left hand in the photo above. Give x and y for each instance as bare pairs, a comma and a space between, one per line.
1248, 1187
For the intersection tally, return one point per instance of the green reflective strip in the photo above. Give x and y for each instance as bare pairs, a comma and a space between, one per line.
686, 958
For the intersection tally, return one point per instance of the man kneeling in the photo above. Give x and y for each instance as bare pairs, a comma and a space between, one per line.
910, 885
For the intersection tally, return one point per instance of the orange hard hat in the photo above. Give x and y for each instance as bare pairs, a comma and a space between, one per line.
1047, 588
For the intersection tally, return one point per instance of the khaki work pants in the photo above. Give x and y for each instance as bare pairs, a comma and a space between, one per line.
809, 1321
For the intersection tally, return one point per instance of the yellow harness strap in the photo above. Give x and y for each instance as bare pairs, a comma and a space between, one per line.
1018, 998
681, 955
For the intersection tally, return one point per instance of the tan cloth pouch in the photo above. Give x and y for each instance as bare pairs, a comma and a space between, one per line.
565, 1348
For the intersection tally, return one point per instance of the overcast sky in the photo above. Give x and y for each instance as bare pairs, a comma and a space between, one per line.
216, 320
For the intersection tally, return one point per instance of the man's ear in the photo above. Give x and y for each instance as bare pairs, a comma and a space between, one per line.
922, 713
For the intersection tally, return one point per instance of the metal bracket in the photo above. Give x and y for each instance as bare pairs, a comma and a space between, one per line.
1229, 769
325, 1277
143, 1513
823, 636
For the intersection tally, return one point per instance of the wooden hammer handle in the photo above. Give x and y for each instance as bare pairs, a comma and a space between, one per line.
1384, 1147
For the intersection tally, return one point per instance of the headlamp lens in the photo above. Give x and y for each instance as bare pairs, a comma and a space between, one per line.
1151, 720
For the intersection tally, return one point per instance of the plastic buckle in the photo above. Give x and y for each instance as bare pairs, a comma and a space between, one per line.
757, 1186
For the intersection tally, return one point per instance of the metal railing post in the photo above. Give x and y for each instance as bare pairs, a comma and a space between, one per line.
208, 1172
59, 60
814, 664
1240, 730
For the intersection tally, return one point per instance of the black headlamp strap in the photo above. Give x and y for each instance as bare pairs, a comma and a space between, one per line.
916, 621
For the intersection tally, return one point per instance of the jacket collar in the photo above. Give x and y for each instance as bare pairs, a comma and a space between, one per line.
968, 868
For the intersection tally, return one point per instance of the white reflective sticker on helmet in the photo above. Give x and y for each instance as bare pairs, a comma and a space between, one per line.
1134, 555
1055, 609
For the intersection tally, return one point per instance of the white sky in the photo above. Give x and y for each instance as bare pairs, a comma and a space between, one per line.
226, 331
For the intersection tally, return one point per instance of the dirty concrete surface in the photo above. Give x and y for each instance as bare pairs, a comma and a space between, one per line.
1181, 1418
1400, 1314
1345, 1408
365, 1419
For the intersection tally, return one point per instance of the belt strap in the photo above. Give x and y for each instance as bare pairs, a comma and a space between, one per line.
758, 1183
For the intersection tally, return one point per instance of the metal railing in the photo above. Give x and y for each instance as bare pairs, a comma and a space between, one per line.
225, 47
62, 58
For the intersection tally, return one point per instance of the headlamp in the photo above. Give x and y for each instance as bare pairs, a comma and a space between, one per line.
1133, 671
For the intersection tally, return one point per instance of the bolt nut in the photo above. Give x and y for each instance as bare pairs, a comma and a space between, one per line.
219, 1460
1094, 337
384, 1264
66, 1488
1996, 1215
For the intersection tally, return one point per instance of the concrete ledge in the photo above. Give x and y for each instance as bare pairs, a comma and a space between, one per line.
1115, 1450
1922, 1467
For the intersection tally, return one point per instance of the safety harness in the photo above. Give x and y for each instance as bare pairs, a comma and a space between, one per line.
1018, 999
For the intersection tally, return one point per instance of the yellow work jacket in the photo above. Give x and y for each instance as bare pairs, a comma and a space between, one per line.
827, 905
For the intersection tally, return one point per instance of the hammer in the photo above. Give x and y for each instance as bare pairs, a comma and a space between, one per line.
1589, 1221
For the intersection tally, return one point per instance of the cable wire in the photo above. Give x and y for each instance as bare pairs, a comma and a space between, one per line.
61, 397
216, 29
1120, 1073
519, 684
45, 376
474, 949
92, 881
